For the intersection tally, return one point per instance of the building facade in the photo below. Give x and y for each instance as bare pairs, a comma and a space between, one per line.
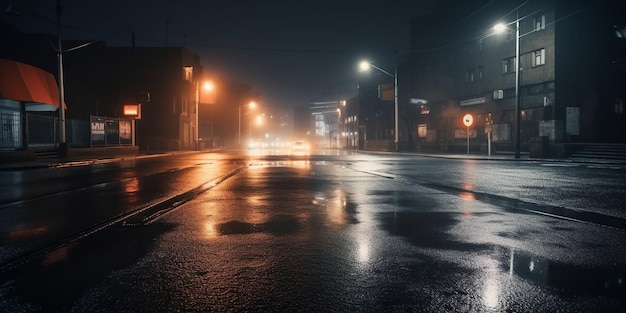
568, 86
100, 80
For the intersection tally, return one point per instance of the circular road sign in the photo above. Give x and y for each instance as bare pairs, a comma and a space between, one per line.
468, 120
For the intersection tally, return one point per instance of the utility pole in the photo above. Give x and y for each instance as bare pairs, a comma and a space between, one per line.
62, 142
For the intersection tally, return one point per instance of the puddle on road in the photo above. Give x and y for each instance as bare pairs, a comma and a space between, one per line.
426, 229
429, 230
281, 224
570, 279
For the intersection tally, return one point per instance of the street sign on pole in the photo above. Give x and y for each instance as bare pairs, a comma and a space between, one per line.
468, 120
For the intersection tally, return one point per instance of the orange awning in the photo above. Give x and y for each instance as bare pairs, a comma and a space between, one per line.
29, 84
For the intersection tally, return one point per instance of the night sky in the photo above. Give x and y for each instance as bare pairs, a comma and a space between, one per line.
291, 52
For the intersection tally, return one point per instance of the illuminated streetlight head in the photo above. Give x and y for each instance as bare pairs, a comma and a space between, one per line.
364, 66
252, 104
499, 28
208, 86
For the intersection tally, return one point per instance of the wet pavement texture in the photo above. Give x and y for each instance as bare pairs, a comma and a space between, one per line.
317, 236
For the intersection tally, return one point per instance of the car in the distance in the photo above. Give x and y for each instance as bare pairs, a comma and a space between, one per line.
299, 147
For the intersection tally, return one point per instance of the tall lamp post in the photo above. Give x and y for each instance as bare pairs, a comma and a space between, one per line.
251, 105
62, 134
364, 66
197, 129
501, 27
208, 86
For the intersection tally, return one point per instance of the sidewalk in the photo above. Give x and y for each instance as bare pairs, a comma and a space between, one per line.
82, 161
505, 157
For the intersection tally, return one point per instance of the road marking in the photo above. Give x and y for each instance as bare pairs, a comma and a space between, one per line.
560, 164
134, 217
512, 204
375, 173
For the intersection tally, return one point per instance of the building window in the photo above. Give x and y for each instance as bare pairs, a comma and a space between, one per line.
619, 106
469, 76
620, 32
540, 22
508, 65
188, 73
320, 126
480, 73
422, 130
508, 93
534, 89
539, 57
538, 89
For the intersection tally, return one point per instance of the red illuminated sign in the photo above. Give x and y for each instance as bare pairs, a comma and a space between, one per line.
468, 120
132, 110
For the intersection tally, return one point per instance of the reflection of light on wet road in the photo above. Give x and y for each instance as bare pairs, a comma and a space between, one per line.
56, 255
467, 196
300, 164
27, 232
210, 213
364, 240
467, 206
130, 188
491, 286
334, 204
131, 185
341, 212
336, 208
210, 229
256, 200
318, 199
511, 262
468, 186
490, 296
363, 250
468, 175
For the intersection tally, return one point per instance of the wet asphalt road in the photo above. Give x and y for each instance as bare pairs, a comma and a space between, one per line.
365, 233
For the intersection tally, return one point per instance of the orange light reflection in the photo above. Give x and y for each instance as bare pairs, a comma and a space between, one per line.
467, 196
27, 232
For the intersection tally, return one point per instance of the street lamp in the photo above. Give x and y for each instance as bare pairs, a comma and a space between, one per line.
208, 86
364, 66
501, 27
251, 105
259, 120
